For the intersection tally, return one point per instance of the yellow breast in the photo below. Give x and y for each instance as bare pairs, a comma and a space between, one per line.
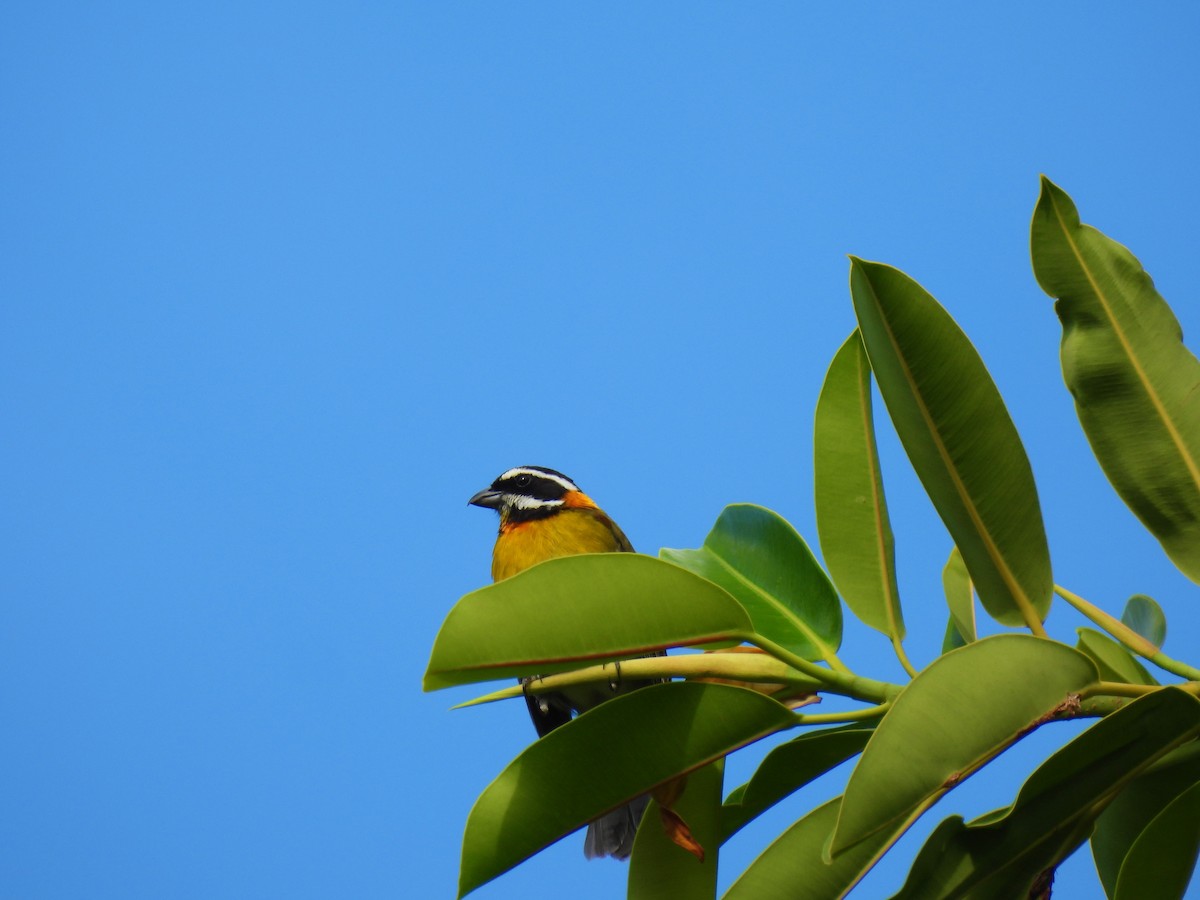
567, 532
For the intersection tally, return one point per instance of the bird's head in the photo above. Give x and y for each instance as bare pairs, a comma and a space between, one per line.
530, 492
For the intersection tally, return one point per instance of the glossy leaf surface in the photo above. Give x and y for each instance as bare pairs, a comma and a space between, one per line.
960, 439
789, 767
1001, 856
1114, 661
942, 862
1136, 386
579, 770
760, 559
661, 870
791, 868
1145, 616
852, 518
1128, 816
589, 608
954, 716
1160, 862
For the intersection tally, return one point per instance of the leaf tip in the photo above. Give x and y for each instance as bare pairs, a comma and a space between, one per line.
1051, 193
827, 847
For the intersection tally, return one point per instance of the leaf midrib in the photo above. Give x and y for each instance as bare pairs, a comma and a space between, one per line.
1024, 604
801, 626
1192, 465
891, 602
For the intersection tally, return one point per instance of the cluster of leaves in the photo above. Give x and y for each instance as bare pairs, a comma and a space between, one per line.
1130, 783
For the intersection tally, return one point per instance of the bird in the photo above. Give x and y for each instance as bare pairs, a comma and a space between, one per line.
544, 515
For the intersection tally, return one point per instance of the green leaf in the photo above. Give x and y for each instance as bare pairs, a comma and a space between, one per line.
852, 518
603, 758
956, 583
760, 559
661, 870
594, 607
1001, 855
1136, 386
955, 716
1146, 617
960, 440
788, 768
953, 638
1114, 661
1160, 862
1134, 809
792, 868
942, 862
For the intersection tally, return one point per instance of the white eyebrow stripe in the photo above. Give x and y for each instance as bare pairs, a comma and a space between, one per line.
564, 483
522, 502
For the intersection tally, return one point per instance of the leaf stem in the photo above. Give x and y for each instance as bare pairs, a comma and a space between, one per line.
836, 682
836, 664
1127, 636
903, 657
1121, 689
1174, 666
1117, 689
854, 715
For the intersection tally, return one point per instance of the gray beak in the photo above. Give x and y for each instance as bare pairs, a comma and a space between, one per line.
489, 498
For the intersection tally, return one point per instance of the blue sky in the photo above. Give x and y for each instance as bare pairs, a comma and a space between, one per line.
283, 285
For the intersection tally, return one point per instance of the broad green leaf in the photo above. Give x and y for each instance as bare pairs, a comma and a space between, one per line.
955, 716
788, 768
1135, 807
960, 440
1136, 386
660, 869
956, 583
1160, 862
760, 559
1146, 617
791, 868
852, 517
1001, 855
1114, 661
603, 758
942, 863
594, 607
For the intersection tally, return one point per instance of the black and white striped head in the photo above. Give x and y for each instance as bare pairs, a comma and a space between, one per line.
528, 492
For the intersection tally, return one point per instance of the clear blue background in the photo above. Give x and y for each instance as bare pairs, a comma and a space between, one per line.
282, 285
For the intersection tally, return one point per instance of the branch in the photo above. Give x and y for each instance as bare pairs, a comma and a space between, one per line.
1106, 697
756, 668
764, 668
1121, 689
845, 683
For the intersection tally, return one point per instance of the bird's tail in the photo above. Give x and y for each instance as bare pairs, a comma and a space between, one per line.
612, 834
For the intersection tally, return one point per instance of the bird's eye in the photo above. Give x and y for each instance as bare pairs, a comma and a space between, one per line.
523, 481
